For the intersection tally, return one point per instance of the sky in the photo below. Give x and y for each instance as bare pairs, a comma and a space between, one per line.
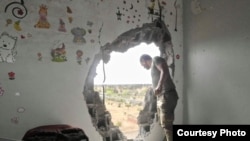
125, 68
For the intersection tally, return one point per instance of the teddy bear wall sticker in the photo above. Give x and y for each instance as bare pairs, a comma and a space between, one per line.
7, 48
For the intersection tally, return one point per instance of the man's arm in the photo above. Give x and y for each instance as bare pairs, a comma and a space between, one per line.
163, 68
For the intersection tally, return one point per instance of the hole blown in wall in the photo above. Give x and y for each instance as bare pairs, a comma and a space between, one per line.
156, 33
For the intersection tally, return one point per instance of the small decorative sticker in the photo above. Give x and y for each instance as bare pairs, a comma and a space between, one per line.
29, 35
22, 36
119, 15
79, 34
79, 55
59, 54
7, 48
131, 6
90, 24
17, 26
39, 56
61, 26
17, 94
151, 7
177, 56
87, 60
8, 22
43, 22
20, 110
1, 91
92, 41
89, 31
70, 19
14, 120
69, 11
11, 75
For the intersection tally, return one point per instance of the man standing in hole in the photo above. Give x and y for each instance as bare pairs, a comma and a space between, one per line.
164, 90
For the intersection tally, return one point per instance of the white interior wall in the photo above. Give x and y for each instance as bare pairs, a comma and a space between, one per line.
51, 92
216, 68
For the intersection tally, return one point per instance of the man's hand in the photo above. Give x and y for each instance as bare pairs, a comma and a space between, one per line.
157, 90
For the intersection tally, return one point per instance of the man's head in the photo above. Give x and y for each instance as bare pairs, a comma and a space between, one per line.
146, 61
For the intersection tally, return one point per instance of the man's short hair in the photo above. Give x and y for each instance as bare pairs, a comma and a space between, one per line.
145, 57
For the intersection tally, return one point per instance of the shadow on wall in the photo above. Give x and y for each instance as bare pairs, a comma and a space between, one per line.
155, 32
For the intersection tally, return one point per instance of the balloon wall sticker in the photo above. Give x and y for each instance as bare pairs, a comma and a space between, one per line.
59, 54
79, 34
79, 54
7, 48
43, 22
18, 9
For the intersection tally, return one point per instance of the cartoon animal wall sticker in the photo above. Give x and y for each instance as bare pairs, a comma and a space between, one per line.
18, 9
79, 34
7, 48
43, 22
59, 54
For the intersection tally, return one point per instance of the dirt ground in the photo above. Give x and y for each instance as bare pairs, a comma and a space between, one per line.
124, 117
